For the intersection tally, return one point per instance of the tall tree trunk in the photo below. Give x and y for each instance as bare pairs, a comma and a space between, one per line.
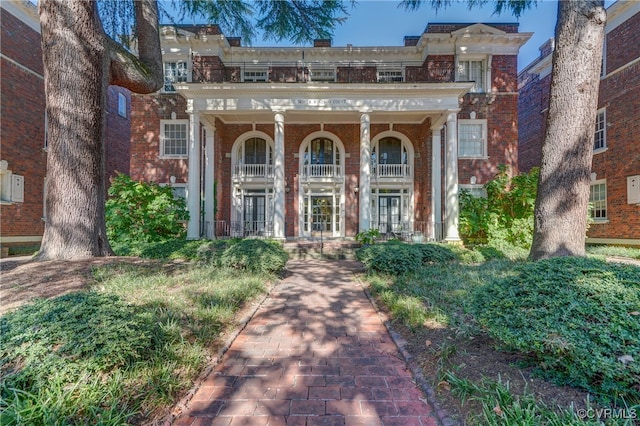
79, 63
563, 189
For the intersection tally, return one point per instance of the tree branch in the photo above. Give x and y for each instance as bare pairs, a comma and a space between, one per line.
141, 74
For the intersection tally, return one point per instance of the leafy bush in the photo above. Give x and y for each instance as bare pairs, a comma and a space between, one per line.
396, 258
578, 317
505, 218
255, 255
368, 237
139, 212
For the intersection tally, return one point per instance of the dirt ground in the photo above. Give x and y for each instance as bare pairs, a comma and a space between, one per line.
435, 349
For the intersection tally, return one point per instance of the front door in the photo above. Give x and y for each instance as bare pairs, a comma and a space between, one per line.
321, 216
254, 215
388, 214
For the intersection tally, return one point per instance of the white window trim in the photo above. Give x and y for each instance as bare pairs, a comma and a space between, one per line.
389, 70
604, 130
486, 75
332, 71
483, 122
260, 69
122, 105
471, 187
163, 123
177, 185
174, 61
605, 219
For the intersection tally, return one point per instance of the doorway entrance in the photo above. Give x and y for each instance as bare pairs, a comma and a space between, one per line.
389, 214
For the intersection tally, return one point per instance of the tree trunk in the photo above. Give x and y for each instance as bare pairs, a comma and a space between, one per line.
563, 189
79, 63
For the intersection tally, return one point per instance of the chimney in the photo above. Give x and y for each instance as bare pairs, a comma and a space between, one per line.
411, 40
322, 42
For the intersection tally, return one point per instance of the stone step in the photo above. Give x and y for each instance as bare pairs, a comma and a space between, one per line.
321, 250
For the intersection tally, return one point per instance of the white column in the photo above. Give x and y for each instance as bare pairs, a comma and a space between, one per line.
451, 207
209, 200
278, 166
436, 182
193, 182
365, 173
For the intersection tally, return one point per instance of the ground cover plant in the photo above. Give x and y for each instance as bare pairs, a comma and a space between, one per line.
126, 348
474, 328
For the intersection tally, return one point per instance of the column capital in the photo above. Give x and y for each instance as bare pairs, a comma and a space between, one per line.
278, 115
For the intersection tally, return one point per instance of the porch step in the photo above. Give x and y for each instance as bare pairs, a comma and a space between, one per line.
330, 249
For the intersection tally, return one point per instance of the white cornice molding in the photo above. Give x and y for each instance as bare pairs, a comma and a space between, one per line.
24, 10
619, 12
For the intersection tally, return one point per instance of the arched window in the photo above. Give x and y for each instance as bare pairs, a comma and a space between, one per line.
254, 158
321, 158
390, 158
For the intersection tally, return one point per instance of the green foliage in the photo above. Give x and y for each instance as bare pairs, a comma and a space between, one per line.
368, 237
578, 317
139, 212
121, 353
615, 251
396, 257
505, 218
257, 255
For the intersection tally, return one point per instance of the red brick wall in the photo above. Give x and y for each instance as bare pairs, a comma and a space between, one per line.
146, 113
22, 125
117, 134
532, 114
622, 43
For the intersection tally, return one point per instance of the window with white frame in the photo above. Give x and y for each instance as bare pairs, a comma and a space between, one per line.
472, 70
598, 201
476, 191
325, 74
256, 75
122, 105
390, 76
174, 135
174, 72
600, 139
472, 138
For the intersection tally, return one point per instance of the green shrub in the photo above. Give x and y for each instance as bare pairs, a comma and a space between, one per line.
505, 217
255, 255
578, 317
139, 212
368, 237
392, 257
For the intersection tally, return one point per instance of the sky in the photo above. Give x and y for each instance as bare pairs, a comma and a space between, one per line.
382, 23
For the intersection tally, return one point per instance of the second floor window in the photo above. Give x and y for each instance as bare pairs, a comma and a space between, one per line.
600, 139
255, 75
472, 71
472, 138
390, 76
174, 72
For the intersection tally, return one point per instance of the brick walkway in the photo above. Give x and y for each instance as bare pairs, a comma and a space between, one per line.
315, 353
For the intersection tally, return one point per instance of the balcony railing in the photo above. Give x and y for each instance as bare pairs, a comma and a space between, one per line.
392, 170
206, 70
253, 170
238, 229
321, 171
409, 231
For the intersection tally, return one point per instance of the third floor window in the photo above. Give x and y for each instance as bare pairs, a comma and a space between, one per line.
174, 72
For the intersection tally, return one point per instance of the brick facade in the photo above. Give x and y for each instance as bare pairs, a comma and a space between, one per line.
23, 123
619, 97
325, 109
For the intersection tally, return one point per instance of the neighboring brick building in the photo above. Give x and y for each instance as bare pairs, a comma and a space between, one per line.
615, 187
300, 141
23, 153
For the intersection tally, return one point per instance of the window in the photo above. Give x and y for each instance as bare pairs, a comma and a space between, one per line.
174, 138
600, 140
174, 72
323, 75
472, 71
122, 105
256, 75
179, 191
390, 76
472, 138
476, 191
598, 201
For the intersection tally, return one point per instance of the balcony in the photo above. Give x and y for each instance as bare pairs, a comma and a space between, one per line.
321, 171
391, 171
252, 171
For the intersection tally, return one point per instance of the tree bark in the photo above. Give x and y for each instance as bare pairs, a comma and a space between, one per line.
79, 63
560, 218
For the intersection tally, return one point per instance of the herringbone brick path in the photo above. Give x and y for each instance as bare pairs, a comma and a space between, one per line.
315, 353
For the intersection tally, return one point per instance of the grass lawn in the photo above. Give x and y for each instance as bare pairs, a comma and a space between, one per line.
126, 349
514, 342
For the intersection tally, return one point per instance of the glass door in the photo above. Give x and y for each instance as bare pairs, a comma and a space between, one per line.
321, 216
388, 214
